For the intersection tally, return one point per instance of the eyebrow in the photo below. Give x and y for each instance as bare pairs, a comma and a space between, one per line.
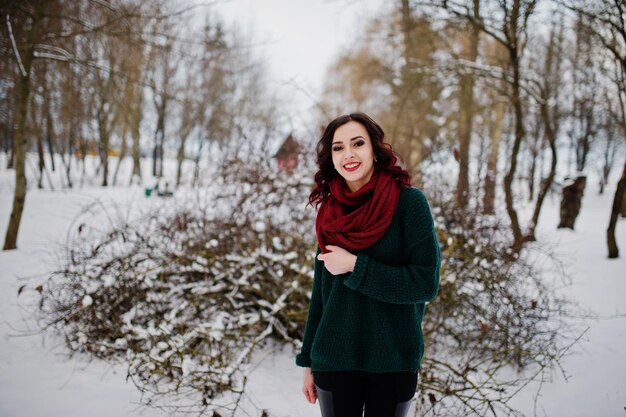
356, 137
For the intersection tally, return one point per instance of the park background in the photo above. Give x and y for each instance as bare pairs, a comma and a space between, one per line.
182, 135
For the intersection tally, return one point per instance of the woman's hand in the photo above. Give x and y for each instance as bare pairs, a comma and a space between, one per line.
308, 388
338, 260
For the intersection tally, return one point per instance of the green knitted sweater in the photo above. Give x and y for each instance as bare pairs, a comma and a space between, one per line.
370, 319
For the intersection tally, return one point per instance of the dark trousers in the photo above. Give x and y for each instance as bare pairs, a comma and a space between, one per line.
345, 393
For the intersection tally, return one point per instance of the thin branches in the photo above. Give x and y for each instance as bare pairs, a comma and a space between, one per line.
15, 51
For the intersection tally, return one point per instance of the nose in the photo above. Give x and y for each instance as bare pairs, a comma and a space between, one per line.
349, 154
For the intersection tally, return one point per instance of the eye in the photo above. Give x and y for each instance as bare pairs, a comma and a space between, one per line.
359, 142
336, 148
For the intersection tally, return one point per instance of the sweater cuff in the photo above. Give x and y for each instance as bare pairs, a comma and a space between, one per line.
356, 276
303, 360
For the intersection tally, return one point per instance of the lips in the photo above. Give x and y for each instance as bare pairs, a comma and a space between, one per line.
352, 166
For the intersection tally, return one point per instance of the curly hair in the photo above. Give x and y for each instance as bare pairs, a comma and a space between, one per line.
387, 159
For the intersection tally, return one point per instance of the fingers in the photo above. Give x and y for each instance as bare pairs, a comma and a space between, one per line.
308, 387
310, 394
329, 248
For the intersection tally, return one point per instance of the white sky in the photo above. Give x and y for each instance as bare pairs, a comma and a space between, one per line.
300, 38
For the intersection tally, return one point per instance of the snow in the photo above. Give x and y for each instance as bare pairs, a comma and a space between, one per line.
594, 377
38, 379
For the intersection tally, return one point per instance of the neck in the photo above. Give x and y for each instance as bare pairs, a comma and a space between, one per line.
354, 186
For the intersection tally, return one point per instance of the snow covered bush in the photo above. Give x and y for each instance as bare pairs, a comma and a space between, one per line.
498, 322
185, 291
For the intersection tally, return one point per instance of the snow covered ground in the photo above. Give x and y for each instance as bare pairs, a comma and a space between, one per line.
37, 379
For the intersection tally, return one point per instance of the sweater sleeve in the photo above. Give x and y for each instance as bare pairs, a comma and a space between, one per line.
418, 280
315, 313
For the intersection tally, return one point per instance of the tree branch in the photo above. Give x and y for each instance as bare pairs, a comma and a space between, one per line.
13, 44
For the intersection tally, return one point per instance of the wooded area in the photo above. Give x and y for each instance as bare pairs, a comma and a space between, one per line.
124, 79
485, 80
494, 106
520, 82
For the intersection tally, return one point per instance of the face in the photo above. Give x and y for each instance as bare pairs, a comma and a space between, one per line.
353, 155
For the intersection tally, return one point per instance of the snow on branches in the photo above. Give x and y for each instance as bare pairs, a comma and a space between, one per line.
185, 292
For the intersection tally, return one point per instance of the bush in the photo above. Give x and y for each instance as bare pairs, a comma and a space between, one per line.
497, 323
185, 293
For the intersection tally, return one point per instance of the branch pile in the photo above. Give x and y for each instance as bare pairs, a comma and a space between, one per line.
185, 293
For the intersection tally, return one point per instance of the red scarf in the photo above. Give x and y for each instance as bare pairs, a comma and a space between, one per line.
355, 220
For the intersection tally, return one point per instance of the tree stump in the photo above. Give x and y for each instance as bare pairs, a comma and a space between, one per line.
571, 200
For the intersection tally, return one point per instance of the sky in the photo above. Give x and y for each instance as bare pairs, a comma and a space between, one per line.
300, 38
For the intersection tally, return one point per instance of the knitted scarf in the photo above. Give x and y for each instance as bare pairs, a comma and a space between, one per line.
355, 220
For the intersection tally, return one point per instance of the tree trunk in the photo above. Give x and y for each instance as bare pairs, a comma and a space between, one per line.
416, 157
411, 81
41, 165
104, 150
159, 133
11, 160
550, 131
571, 201
550, 115
531, 175
514, 48
519, 135
82, 144
136, 151
180, 158
161, 152
70, 154
535, 149
122, 155
466, 111
196, 171
617, 202
50, 138
19, 196
495, 136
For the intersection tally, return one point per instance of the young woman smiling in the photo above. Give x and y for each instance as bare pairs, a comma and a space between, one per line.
376, 267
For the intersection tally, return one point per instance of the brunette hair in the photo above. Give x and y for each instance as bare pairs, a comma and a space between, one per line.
387, 159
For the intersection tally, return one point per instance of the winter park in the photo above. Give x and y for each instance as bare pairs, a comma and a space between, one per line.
160, 255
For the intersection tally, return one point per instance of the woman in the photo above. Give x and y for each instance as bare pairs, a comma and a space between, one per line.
376, 266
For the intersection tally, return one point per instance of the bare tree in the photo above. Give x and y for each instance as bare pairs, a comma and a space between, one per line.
131, 105
42, 30
610, 142
106, 102
608, 27
497, 100
466, 105
551, 113
162, 69
416, 92
506, 23
24, 60
585, 73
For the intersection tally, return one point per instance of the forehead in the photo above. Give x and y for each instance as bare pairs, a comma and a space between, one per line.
350, 130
